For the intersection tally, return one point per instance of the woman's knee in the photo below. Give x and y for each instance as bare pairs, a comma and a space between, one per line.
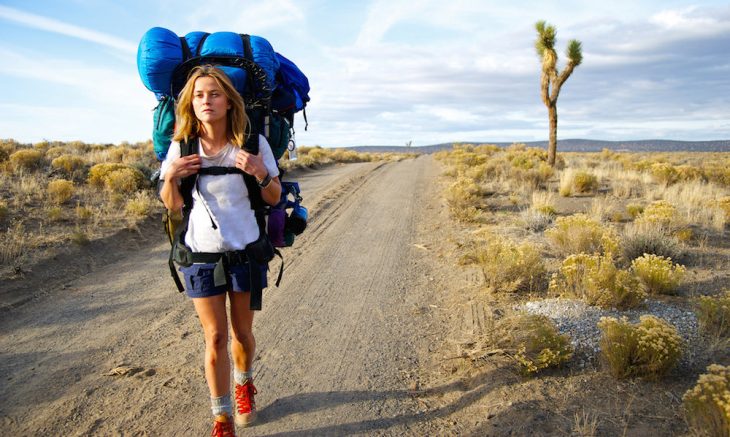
242, 335
217, 340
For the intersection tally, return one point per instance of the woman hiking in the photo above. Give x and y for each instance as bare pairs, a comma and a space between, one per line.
211, 113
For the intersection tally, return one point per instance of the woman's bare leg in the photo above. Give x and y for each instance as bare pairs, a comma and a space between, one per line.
212, 314
243, 343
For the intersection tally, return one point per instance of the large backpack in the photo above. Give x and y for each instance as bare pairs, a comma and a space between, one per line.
272, 86
272, 96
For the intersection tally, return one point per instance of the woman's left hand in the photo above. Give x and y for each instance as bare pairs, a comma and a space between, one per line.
251, 164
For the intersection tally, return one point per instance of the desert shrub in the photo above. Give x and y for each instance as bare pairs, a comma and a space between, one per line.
99, 173
566, 182
55, 152
658, 274
83, 212
581, 182
42, 146
142, 205
117, 178
638, 239
649, 349
724, 204
126, 180
544, 202
604, 208
79, 237
26, 159
597, 281
634, 210
585, 182
4, 211
536, 220
660, 213
68, 163
60, 191
664, 173
580, 233
689, 173
7, 147
713, 315
707, 404
538, 344
55, 213
462, 197
507, 266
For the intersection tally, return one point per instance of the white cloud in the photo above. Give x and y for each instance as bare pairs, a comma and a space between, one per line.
255, 17
51, 25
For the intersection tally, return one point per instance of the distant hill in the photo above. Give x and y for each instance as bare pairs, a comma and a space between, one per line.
577, 145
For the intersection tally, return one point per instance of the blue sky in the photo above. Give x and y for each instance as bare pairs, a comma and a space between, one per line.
386, 71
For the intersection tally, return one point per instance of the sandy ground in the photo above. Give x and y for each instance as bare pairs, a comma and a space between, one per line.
98, 342
372, 332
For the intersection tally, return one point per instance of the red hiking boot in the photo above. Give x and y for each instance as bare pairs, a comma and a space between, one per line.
245, 403
223, 427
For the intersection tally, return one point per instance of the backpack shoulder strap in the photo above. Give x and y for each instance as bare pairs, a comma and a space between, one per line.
254, 191
188, 147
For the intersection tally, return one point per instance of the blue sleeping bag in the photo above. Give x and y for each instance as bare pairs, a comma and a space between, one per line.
161, 51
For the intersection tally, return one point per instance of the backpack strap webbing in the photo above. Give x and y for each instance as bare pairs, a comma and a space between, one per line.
189, 183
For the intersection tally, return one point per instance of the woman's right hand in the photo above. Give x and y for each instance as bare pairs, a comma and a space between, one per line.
183, 166
179, 168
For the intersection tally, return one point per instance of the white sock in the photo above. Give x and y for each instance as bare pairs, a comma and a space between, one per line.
240, 376
222, 405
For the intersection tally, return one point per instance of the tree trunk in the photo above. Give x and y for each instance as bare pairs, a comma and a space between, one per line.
553, 143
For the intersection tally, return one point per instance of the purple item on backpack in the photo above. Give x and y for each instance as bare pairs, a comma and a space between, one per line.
277, 219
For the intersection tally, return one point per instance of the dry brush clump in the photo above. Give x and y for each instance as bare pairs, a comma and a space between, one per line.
639, 239
68, 164
532, 341
26, 159
579, 233
577, 182
658, 275
707, 404
648, 349
142, 205
60, 191
463, 197
115, 177
508, 266
713, 315
596, 280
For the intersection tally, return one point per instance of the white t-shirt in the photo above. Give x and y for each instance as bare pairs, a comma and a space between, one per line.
225, 197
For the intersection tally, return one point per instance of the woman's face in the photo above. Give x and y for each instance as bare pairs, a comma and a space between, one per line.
210, 103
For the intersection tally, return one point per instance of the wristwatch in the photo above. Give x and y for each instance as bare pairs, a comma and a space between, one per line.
265, 182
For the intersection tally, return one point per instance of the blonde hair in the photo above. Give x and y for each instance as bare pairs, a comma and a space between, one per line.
187, 124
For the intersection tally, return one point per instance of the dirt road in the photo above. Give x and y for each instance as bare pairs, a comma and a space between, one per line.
109, 348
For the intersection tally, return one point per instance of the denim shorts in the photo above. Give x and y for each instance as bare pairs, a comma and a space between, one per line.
199, 279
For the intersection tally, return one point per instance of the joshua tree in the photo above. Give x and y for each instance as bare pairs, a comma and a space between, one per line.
550, 81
